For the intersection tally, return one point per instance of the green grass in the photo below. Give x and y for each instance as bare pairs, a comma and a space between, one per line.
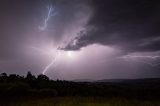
84, 101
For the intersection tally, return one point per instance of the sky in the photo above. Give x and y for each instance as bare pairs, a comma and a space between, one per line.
80, 39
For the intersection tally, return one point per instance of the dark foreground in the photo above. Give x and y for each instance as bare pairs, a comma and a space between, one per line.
17, 90
81, 101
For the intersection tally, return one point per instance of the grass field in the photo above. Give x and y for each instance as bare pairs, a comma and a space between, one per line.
83, 101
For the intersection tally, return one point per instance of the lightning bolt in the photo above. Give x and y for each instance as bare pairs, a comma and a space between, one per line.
52, 63
151, 57
137, 59
51, 13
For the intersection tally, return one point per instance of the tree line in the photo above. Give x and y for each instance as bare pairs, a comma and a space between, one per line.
41, 86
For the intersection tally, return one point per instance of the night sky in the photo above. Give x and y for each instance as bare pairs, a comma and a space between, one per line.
80, 39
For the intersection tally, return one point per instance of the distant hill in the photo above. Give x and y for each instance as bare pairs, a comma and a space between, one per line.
119, 80
84, 80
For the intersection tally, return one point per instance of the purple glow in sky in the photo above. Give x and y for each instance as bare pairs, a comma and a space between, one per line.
80, 39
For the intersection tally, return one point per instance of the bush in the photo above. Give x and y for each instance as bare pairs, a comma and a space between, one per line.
17, 89
43, 92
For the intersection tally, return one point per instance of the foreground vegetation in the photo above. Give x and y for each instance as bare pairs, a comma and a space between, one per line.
82, 101
39, 90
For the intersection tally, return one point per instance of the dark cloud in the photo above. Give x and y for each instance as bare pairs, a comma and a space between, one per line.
121, 23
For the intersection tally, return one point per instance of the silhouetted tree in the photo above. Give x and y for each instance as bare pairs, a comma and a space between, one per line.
3, 77
3, 74
12, 77
30, 77
42, 77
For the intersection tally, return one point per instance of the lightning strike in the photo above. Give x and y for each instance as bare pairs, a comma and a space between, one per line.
49, 53
138, 59
51, 13
151, 57
53, 63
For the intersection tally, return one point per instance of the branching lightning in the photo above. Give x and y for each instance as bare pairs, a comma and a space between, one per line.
151, 57
51, 13
140, 59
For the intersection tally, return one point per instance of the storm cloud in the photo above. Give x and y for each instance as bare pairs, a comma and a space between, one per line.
130, 25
